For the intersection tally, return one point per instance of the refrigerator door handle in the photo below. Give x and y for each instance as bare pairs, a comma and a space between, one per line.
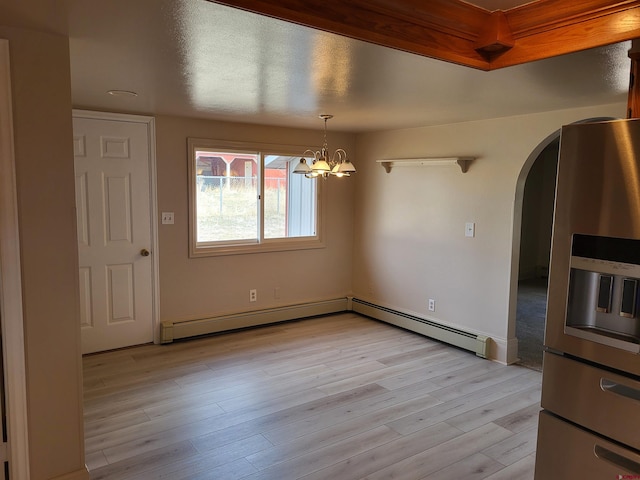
619, 389
616, 459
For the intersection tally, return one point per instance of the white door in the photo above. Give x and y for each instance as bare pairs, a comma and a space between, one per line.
113, 207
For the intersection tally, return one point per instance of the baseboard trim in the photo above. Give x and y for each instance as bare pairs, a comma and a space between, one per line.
500, 351
82, 474
512, 351
174, 330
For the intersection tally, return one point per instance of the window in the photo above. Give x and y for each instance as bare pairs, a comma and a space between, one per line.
245, 198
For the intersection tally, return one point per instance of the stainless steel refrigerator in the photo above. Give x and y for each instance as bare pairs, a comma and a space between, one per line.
589, 427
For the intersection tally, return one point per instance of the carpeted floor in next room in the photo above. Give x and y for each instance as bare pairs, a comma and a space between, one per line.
532, 306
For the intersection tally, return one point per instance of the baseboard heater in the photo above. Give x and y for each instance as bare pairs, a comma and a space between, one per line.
478, 344
178, 329
174, 330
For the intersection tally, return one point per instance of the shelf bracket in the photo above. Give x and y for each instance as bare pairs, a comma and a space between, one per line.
386, 164
464, 164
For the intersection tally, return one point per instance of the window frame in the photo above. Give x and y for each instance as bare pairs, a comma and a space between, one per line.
261, 244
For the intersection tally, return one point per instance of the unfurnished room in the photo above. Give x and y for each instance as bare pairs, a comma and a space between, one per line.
307, 240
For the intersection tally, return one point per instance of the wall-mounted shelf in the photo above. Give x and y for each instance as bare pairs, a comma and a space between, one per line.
462, 162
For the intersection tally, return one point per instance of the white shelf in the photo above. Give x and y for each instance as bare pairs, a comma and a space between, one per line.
462, 162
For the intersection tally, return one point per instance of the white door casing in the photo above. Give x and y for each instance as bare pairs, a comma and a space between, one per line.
11, 311
115, 207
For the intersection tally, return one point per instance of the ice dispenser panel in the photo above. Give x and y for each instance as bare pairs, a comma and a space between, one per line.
603, 291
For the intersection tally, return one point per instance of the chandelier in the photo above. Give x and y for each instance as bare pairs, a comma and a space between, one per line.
324, 165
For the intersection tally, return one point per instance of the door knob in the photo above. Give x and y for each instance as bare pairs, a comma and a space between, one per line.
144, 252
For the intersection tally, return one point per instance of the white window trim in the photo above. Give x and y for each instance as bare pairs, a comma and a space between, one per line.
243, 247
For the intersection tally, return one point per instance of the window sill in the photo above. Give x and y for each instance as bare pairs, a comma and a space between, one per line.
243, 249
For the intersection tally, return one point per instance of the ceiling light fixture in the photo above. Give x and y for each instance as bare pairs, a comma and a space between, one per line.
323, 165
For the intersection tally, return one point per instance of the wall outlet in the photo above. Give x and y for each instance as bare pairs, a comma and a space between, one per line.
276, 293
432, 305
253, 295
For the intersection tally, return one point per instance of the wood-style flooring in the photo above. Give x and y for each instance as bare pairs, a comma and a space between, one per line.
338, 397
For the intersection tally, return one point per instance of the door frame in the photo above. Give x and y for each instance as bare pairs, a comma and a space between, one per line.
15, 376
153, 206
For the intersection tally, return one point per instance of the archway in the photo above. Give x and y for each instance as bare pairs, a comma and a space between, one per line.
538, 164
535, 251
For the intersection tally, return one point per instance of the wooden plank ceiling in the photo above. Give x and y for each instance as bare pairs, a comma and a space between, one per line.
458, 32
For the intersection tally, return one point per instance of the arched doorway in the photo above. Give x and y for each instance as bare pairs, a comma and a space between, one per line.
533, 213
535, 250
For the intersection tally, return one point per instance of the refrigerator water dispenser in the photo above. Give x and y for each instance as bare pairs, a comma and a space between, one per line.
603, 300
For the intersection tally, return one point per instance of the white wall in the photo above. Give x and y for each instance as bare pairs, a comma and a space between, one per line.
409, 242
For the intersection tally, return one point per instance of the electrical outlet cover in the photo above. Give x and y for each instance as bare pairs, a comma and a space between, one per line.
167, 218
470, 229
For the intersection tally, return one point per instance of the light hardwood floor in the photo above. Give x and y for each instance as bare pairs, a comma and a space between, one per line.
339, 397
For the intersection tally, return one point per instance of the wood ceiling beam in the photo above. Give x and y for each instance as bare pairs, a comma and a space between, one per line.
548, 28
455, 31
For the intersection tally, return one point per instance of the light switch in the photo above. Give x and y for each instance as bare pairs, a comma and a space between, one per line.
470, 229
167, 218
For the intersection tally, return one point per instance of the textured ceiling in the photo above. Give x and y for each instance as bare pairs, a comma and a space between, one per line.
200, 59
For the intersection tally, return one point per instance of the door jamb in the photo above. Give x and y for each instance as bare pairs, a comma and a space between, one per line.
11, 285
